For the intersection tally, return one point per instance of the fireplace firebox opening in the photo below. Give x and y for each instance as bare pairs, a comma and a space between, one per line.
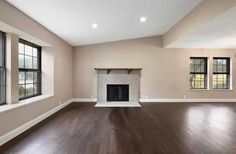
117, 92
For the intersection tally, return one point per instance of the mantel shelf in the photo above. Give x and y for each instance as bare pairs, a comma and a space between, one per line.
129, 70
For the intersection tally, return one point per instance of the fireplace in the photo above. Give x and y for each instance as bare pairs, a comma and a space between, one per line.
118, 87
117, 92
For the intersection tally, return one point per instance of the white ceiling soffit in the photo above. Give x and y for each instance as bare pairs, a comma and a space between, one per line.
219, 33
116, 19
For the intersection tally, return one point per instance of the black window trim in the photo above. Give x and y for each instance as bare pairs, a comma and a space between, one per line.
205, 73
4, 62
33, 70
228, 72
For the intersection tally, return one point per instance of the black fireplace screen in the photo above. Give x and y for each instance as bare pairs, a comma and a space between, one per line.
117, 92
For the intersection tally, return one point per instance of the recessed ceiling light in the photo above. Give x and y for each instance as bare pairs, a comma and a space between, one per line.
94, 26
143, 19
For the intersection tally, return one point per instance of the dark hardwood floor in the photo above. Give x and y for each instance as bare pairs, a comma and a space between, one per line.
80, 128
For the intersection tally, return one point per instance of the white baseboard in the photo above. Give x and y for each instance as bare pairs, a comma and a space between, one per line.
12, 134
164, 100
85, 100
179, 100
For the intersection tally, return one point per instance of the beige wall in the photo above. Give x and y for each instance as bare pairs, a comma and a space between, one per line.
62, 70
12, 68
165, 72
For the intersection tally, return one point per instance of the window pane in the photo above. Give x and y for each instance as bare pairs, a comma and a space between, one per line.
197, 61
1, 58
28, 50
2, 94
35, 52
2, 77
214, 85
220, 81
21, 77
197, 81
28, 62
22, 91
1, 50
223, 61
21, 48
224, 69
197, 68
219, 62
219, 69
35, 89
36, 77
35, 63
29, 77
29, 89
21, 61
203, 67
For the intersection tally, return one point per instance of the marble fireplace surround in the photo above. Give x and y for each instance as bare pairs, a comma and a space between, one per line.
130, 76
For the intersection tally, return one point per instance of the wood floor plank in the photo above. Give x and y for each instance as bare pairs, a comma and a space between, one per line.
156, 128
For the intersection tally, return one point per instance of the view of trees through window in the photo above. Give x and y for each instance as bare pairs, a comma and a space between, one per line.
198, 73
29, 70
221, 73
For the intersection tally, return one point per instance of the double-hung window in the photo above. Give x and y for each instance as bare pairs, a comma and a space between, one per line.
198, 73
2, 68
29, 69
221, 73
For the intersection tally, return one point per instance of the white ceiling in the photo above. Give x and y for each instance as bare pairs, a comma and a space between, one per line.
116, 19
218, 33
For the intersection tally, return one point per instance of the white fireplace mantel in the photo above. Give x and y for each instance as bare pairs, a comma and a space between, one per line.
129, 70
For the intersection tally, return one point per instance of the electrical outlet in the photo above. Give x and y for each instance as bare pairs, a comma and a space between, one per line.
184, 96
146, 96
91, 96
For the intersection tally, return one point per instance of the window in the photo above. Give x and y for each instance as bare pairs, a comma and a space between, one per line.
221, 73
2, 69
29, 69
198, 73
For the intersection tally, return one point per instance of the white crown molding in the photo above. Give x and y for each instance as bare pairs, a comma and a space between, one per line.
12, 134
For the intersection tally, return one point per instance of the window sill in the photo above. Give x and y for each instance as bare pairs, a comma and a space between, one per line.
222, 89
210, 89
8, 107
199, 89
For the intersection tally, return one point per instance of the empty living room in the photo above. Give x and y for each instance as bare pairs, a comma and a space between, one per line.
117, 76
